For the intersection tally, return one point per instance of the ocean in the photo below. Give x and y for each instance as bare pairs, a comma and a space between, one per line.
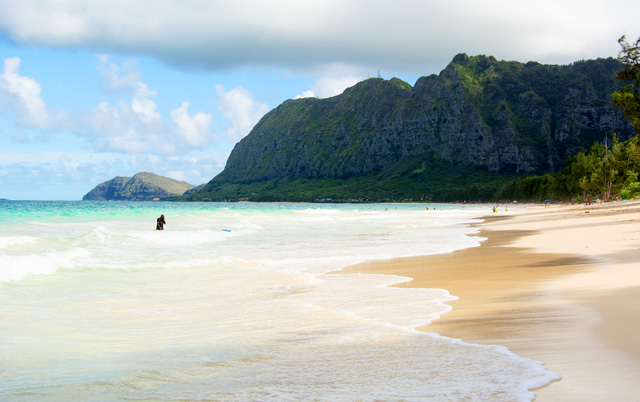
235, 302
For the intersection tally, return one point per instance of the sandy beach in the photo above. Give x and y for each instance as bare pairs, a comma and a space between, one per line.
559, 285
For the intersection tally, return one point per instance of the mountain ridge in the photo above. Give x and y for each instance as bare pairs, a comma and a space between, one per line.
502, 117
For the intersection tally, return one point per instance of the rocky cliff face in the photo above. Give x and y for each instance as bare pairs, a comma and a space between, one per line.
497, 115
141, 187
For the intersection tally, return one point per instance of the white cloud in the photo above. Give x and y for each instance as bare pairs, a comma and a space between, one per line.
130, 83
334, 80
124, 80
145, 109
134, 125
306, 94
240, 107
129, 128
201, 167
51, 157
177, 175
195, 129
408, 36
22, 94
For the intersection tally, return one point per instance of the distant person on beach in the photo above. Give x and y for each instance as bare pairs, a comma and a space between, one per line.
161, 222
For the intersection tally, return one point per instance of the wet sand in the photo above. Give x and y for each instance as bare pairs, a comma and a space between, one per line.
559, 285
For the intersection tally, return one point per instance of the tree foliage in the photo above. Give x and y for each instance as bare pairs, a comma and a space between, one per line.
606, 171
628, 98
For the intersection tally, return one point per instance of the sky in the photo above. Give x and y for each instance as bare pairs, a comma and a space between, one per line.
90, 90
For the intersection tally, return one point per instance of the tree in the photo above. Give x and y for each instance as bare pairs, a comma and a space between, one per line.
579, 172
605, 175
630, 157
630, 165
628, 98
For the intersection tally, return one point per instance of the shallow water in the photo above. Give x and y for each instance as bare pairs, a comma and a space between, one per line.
234, 302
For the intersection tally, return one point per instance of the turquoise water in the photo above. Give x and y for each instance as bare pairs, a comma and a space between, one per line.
234, 302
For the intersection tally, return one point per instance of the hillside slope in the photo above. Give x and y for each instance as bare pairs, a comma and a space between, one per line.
478, 115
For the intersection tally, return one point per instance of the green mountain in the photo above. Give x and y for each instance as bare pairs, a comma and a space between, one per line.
479, 121
141, 187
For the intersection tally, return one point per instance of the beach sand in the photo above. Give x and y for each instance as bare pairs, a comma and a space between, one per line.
559, 285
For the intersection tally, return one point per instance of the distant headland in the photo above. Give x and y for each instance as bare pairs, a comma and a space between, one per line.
142, 186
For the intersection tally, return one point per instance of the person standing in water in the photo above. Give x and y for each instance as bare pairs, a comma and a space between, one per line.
160, 223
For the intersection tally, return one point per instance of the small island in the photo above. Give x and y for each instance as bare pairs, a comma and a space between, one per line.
142, 186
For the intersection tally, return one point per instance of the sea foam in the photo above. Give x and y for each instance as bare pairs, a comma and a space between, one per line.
236, 302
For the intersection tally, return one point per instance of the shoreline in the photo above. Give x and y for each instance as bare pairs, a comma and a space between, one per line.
559, 285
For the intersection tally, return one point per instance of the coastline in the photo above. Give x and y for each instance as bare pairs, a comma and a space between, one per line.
559, 285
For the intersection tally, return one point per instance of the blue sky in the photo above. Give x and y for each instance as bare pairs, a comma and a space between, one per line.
90, 90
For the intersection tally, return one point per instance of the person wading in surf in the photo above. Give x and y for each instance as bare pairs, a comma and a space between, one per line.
161, 222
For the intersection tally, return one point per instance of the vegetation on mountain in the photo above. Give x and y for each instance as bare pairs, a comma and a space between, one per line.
609, 169
606, 170
141, 187
470, 133
407, 180
628, 97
